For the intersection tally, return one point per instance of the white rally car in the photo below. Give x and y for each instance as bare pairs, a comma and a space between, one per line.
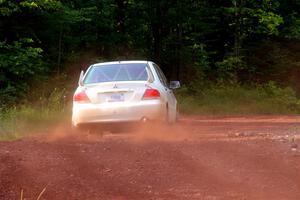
124, 91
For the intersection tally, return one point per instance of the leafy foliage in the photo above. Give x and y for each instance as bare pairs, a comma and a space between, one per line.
194, 41
20, 63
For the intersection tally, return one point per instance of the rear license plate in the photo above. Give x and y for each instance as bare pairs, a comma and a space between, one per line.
116, 97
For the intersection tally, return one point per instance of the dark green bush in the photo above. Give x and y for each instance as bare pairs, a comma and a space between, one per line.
20, 64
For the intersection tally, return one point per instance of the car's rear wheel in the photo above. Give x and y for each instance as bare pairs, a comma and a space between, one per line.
167, 115
169, 118
177, 115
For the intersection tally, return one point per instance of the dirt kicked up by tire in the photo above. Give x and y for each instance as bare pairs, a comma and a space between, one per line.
199, 158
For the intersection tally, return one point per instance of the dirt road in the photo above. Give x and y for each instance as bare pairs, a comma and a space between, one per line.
240, 158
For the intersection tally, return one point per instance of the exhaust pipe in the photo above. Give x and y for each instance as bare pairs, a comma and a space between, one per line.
144, 119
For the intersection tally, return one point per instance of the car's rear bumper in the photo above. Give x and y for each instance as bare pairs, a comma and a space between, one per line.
117, 112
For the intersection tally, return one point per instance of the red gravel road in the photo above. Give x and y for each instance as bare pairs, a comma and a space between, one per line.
201, 158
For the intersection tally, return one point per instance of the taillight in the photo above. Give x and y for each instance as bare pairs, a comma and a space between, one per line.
151, 94
81, 97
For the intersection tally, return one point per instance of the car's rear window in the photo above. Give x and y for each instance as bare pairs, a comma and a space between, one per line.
117, 72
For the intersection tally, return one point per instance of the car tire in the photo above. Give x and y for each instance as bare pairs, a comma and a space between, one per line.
167, 115
177, 115
170, 121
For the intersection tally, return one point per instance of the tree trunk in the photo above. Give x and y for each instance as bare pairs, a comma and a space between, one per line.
59, 49
179, 40
156, 28
121, 7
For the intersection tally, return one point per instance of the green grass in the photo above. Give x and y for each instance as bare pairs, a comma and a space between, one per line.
24, 120
36, 117
237, 100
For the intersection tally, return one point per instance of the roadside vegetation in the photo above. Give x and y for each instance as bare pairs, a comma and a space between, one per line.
34, 118
239, 100
43, 108
232, 57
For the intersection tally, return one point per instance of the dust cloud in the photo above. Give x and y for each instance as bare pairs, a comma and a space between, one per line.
162, 132
135, 132
225, 129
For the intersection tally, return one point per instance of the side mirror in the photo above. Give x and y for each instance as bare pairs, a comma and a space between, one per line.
174, 85
80, 81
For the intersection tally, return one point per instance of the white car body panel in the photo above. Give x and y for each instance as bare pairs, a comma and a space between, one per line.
132, 107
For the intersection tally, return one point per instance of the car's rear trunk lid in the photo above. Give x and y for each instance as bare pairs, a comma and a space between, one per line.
116, 92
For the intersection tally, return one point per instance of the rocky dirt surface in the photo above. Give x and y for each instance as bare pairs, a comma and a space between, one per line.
205, 158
